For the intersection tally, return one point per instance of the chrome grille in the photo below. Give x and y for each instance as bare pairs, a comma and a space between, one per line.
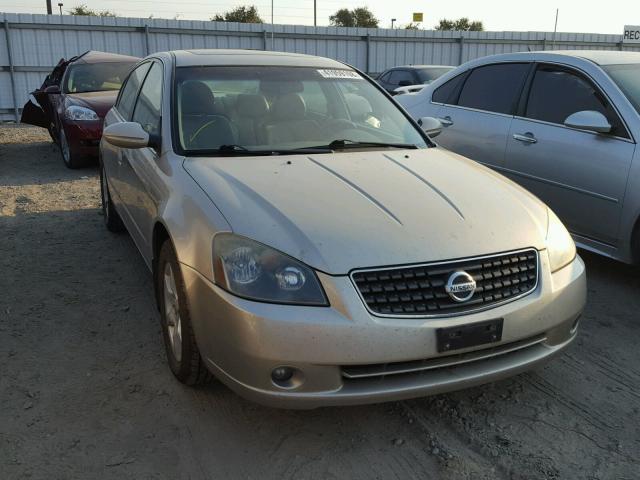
419, 290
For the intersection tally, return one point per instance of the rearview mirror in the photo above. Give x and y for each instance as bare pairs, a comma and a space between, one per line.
126, 135
589, 120
431, 126
52, 89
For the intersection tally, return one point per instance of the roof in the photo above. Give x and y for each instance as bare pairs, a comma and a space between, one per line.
93, 56
417, 67
601, 57
192, 58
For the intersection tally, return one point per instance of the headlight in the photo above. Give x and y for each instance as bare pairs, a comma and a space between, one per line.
560, 245
257, 272
74, 112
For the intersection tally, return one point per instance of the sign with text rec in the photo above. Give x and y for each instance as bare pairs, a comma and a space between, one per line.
631, 34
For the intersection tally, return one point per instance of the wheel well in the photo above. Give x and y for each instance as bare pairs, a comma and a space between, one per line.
635, 242
160, 235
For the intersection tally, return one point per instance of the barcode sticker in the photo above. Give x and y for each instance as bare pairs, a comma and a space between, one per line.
346, 74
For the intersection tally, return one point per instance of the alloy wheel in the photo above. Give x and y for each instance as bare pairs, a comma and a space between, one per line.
172, 312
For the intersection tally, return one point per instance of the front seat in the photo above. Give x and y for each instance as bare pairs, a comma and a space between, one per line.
251, 110
289, 122
202, 127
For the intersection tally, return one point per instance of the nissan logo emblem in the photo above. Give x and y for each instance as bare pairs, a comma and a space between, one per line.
461, 286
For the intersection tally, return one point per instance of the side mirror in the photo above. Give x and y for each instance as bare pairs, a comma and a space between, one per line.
431, 126
589, 120
126, 135
405, 83
52, 89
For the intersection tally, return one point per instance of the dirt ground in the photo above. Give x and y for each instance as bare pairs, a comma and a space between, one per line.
85, 392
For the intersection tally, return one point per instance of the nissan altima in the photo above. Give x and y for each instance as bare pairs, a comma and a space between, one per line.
311, 246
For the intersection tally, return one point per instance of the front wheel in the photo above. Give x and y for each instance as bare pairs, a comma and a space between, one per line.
179, 339
68, 157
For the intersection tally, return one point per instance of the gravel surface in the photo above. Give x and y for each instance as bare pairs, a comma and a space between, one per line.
85, 391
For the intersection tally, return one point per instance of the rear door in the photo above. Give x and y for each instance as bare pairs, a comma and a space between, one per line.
478, 108
581, 175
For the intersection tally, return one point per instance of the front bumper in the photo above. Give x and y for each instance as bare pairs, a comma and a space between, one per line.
243, 341
84, 137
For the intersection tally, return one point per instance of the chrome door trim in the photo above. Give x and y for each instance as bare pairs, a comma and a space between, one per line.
555, 184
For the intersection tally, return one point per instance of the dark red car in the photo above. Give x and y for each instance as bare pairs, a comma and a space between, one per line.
73, 100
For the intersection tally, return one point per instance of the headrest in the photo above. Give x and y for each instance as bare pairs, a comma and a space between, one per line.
252, 105
359, 107
289, 107
276, 88
196, 98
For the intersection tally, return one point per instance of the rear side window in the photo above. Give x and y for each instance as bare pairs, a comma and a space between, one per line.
446, 92
557, 93
129, 92
494, 88
398, 76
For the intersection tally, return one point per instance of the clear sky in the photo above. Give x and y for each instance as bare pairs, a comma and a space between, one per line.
575, 15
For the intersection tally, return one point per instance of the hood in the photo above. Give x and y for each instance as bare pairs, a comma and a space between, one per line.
99, 102
354, 210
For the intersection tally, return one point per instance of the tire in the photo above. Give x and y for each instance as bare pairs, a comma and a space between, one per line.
112, 219
182, 351
68, 157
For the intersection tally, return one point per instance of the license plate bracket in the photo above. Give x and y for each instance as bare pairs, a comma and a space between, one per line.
470, 335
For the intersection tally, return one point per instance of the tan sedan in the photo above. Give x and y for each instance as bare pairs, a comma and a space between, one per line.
311, 246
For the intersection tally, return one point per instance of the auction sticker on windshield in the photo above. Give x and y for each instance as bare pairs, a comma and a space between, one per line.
348, 74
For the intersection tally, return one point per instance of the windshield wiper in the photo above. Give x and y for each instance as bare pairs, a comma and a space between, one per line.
344, 144
239, 150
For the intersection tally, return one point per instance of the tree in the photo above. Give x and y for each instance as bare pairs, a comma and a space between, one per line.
462, 24
242, 14
412, 26
358, 17
84, 10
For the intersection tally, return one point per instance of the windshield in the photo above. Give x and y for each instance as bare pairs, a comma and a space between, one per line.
249, 109
96, 77
428, 75
628, 79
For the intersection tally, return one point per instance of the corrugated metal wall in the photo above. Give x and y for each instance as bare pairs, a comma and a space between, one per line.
37, 42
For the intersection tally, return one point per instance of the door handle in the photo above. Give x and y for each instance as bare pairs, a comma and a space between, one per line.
446, 121
525, 138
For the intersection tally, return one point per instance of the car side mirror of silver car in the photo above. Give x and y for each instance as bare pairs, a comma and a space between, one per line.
431, 126
589, 120
126, 135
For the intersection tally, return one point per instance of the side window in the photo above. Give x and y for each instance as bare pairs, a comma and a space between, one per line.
398, 76
129, 91
447, 92
494, 88
557, 93
385, 77
148, 107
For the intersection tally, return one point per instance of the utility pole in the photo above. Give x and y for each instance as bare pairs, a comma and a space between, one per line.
49, 9
272, 15
555, 28
315, 13
393, 20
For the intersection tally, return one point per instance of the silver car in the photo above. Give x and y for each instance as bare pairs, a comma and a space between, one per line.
311, 246
562, 124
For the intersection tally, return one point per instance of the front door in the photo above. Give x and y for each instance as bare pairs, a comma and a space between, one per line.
139, 166
581, 175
